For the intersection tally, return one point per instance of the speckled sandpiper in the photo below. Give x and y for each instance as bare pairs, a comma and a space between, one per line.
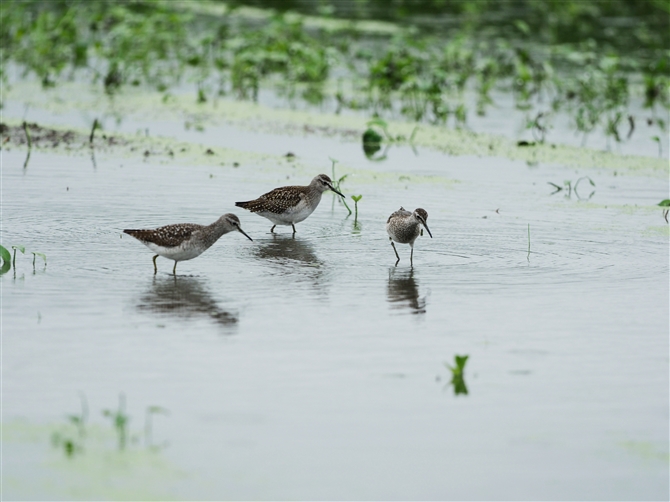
404, 227
185, 241
292, 204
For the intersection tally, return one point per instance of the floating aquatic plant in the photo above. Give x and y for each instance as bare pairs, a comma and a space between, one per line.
6, 260
458, 374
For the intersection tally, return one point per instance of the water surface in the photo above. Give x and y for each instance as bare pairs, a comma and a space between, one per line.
311, 367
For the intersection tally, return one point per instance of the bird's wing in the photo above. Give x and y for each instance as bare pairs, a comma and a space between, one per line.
276, 201
400, 212
168, 236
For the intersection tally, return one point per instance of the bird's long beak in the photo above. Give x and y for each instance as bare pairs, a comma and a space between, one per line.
245, 234
338, 193
427, 229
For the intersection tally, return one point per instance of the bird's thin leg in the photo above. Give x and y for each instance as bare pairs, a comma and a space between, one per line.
411, 258
155, 267
174, 269
396, 253
272, 230
292, 225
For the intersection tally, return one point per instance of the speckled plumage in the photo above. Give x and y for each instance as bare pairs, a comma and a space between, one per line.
404, 227
291, 204
185, 241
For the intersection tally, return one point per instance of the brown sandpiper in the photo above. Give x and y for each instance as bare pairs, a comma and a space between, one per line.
292, 204
185, 241
404, 227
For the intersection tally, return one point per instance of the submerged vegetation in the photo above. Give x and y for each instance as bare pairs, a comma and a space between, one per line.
570, 61
72, 439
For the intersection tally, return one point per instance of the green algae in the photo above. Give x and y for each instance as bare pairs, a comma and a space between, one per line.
98, 471
256, 117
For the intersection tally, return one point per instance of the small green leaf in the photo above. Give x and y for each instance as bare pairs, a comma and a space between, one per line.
5, 255
664, 203
460, 362
42, 255
20, 248
356, 198
460, 365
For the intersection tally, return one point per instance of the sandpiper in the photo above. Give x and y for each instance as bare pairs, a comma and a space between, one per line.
404, 227
292, 204
185, 241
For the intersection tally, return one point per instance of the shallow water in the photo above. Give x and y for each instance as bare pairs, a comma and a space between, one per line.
314, 368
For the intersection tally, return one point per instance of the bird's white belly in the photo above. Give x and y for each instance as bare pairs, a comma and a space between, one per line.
403, 237
295, 214
177, 253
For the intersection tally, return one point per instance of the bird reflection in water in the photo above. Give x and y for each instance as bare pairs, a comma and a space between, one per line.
291, 256
403, 292
184, 297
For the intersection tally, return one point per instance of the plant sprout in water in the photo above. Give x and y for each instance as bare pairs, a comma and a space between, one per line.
41, 255
15, 248
356, 198
9, 261
336, 184
457, 375
665, 203
569, 187
96, 125
69, 443
119, 421
660, 148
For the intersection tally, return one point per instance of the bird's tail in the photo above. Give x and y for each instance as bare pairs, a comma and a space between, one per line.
243, 205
